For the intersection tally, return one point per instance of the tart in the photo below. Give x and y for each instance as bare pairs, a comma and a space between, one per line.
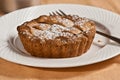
54, 36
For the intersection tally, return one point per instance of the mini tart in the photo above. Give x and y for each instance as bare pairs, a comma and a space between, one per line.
57, 36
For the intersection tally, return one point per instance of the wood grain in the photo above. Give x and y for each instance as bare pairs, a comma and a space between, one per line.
107, 70
112, 5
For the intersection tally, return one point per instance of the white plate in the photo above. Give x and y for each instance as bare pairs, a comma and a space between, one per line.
12, 50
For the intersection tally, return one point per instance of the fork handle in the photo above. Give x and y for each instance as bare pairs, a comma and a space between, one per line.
109, 36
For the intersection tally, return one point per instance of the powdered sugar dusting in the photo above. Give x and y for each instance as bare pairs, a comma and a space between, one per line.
53, 32
65, 21
46, 31
81, 23
44, 26
75, 17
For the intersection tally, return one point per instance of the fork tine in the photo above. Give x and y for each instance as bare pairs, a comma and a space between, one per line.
59, 13
50, 14
62, 12
53, 13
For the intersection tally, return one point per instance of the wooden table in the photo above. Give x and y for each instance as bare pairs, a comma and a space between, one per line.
107, 70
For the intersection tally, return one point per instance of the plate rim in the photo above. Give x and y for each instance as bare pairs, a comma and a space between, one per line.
61, 4
54, 5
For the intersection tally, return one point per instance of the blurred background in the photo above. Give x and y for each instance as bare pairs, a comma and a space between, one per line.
7, 6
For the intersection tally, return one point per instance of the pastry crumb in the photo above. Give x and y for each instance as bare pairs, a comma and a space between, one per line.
99, 41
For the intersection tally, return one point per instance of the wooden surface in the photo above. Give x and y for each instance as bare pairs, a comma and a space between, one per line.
107, 70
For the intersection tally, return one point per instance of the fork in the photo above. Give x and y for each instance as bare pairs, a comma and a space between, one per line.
61, 13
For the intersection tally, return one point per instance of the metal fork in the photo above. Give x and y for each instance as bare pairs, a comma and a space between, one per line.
61, 13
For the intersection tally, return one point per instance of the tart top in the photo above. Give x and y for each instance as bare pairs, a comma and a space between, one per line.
56, 27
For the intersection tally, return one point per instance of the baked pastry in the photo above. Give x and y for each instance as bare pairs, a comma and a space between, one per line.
57, 36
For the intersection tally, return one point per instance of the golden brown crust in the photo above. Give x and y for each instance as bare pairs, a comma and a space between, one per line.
72, 36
